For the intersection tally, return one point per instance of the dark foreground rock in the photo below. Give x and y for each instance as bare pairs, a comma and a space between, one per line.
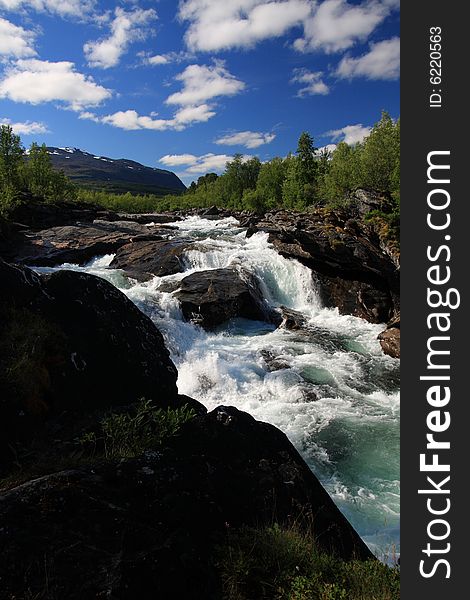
72, 340
390, 338
147, 527
210, 298
143, 259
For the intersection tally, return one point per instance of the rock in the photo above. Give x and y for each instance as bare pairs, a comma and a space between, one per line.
212, 297
390, 338
292, 319
363, 201
351, 270
145, 218
80, 343
147, 527
273, 363
78, 243
144, 259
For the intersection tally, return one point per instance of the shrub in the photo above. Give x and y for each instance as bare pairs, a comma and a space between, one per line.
129, 434
286, 564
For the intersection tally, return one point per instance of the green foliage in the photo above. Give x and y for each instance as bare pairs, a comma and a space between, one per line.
285, 564
31, 173
11, 158
129, 434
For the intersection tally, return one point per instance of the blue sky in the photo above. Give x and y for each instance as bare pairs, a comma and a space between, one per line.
185, 84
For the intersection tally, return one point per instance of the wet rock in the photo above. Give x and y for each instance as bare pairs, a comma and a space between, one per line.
273, 363
352, 272
210, 298
78, 243
144, 259
292, 319
390, 338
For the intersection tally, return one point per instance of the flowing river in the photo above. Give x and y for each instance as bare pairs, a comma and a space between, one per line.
330, 388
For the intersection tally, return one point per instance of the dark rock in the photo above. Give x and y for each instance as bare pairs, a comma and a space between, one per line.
210, 298
273, 363
363, 201
390, 338
78, 243
143, 259
87, 345
292, 319
147, 527
352, 271
145, 218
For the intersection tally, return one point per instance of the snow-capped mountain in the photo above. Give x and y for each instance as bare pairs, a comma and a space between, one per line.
114, 175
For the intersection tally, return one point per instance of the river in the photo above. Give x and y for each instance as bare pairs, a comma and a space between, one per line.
336, 395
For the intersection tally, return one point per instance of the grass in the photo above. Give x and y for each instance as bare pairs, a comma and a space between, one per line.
275, 563
129, 434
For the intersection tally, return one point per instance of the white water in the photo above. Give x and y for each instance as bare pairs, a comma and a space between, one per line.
349, 435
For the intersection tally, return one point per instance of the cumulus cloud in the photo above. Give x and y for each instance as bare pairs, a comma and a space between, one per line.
381, 62
351, 134
200, 83
126, 27
25, 128
204, 82
216, 25
196, 165
177, 160
15, 41
63, 8
314, 84
337, 25
249, 139
35, 81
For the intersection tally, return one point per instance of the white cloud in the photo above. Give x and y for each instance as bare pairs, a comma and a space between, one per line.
25, 128
158, 59
35, 81
177, 160
196, 165
337, 25
15, 41
218, 25
381, 62
249, 139
314, 84
351, 134
202, 83
63, 8
126, 27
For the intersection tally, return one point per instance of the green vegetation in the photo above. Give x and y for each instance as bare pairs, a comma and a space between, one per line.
28, 172
307, 179
283, 563
129, 434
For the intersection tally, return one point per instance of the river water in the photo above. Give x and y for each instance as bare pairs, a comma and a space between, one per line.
336, 395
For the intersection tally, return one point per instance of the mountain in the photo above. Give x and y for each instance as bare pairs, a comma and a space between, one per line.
113, 175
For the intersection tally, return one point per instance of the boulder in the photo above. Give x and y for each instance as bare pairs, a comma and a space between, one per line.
71, 341
390, 338
148, 527
353, 273
78, 243
144, 259
210, 298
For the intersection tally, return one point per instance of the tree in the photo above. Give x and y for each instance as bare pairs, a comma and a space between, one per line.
11, 157
381, 155
270, 181
307, 165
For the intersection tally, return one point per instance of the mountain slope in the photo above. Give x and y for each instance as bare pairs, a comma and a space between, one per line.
114, 175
